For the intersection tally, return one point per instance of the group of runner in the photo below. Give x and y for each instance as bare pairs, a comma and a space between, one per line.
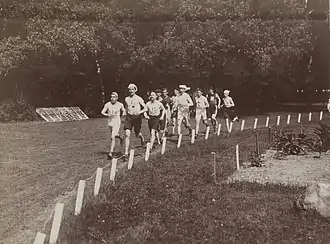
163, 111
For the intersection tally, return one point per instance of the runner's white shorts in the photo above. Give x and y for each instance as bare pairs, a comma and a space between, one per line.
201, 114
114, 125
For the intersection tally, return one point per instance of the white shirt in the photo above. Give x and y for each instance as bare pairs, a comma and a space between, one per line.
184, 102
201, 103
133, 104
328, 106
113, 110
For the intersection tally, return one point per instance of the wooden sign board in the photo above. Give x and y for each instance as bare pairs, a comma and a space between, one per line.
60, 114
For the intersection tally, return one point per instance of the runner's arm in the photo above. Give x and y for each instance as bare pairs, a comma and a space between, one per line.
145, 114
144, 107
219, 101
232, 102
207, 105
104, 111
162, 108
123, 111
190, 102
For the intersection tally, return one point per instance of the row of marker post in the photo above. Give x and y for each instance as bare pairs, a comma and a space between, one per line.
59, 208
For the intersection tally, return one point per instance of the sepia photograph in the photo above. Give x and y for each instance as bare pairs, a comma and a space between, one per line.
164, 121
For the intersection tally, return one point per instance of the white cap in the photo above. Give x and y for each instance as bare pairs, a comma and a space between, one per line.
132, 86
184, 87
226, 91
114, 94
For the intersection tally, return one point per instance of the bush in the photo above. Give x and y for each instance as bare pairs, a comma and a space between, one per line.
322, 143
16, 110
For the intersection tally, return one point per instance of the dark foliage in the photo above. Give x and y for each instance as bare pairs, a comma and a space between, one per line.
17, 110
322, 143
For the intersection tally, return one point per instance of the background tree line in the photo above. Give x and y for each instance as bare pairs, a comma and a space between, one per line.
261, 50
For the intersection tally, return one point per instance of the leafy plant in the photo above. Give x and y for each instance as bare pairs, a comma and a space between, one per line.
289, 144
256, 159
322, 143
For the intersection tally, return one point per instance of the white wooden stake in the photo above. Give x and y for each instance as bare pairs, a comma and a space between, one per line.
219, 129
163, 146
237, 157
147, 154
242, 125
80, 197
56, 223
255, 123
299, 118
230, 127
278, 120
131, 159
113, 169
179, 141
193, 136
310, 117
267, 122
207, 133
40, 238
321, 115
288, 119
98, 180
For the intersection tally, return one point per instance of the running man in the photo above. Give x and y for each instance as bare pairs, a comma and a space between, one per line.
112, 110
133, 105
166, 101
229, 107
184, 103
174, 109
201, 107
328, 105
215, 103
155, 114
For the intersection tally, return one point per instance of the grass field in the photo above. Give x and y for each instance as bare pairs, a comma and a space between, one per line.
41, 163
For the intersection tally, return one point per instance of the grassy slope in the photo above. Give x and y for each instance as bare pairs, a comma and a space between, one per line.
173, 199
40, 163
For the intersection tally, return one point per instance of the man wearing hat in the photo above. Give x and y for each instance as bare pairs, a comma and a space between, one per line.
133, 105
112, 110
184, 102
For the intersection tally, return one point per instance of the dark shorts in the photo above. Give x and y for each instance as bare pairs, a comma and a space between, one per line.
175, 114
229, 113
211, 110
153, 123
133, 121
162, 123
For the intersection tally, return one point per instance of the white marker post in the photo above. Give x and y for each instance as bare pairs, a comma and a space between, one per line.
219, 130
179, 141
131, 159
147, 154
310, 117
163, 146
278, 120
113, 169
267, 122
299, 118
80, 197
321, 115
193, 136
98, 180
242, 125
237, 157
207, 133
288, 119
230, 127
255, 123
40, 238
56, 223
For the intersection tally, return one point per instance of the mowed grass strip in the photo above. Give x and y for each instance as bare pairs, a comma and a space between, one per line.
173, 199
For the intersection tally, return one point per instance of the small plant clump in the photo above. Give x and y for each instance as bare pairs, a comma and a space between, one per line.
322, 143
256, 159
